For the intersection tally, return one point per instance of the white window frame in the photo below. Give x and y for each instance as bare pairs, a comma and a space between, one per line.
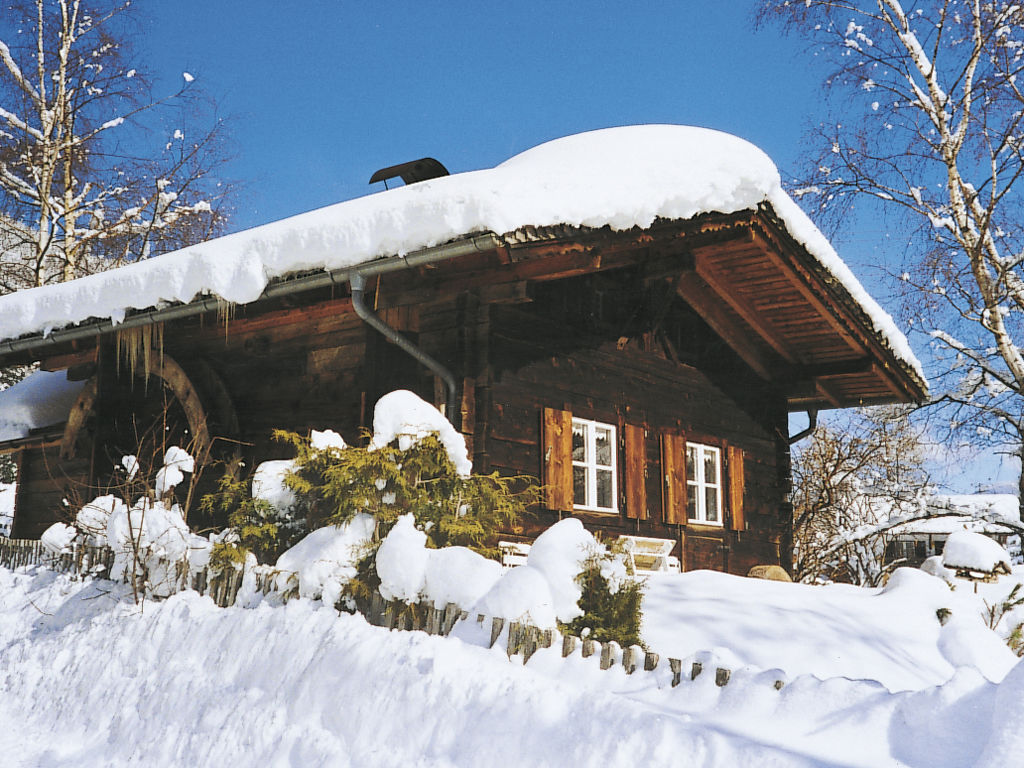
697, 486
591, 466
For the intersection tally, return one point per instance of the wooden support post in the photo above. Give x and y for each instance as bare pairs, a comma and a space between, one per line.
696, 669
676, 665
651, 661
588, 647
722, 676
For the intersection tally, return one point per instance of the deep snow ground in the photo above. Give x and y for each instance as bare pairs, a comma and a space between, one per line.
90, 679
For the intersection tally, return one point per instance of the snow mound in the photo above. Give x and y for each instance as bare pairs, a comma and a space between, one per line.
544, 591
404, 416
410, 572
891, 635
41, 399
58, 537
972, 551
324, 560
617, 177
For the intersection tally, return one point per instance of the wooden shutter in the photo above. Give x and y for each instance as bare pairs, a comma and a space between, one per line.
636, 461
557, 459
673, 474
736, 488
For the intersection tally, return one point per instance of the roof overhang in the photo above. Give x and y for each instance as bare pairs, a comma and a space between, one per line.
791, 321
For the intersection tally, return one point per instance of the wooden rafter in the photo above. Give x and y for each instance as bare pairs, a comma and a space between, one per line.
698, 295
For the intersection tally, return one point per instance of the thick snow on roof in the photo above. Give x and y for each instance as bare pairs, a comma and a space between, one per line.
618, 177
981, 513
41, 399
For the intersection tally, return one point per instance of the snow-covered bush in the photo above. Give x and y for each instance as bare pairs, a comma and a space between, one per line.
611, 601
414, 462
260, 512
154, 550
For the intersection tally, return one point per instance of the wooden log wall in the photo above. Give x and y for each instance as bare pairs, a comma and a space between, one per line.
604, 363
45, 481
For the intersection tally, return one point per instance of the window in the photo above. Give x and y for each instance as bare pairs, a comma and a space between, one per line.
703, 483
593, 466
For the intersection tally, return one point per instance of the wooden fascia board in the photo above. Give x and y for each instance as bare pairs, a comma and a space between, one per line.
785, 253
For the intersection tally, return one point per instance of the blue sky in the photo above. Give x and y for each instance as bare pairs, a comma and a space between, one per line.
322, 93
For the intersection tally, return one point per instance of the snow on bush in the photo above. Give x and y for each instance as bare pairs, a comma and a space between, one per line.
152, 539
326, 440
324, 561
410, 572
521, 594
972, 551
402, 415
92, 519
268, 484
544, 591
176, 462
558, 553
58, 537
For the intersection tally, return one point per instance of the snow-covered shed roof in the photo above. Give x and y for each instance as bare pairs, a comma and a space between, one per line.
40, 400
616, 178
978, 512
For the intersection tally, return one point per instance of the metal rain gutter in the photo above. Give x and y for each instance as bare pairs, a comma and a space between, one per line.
358, 282
474, 244
812, 424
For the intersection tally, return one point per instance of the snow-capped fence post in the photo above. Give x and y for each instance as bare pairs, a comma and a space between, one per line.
722, 676
609, 653
568, 645
451, 615
676, 665
497, 624
588, 647
696, 669
651, 660
630, 660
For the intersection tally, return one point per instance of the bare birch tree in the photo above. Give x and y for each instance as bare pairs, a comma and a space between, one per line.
924, 116
94, 170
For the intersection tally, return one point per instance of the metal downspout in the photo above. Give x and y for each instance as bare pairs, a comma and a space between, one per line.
357, 281
812, 423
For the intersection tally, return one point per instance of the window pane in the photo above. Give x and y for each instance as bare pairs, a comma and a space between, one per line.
691, 502
691, 462
604, 489
711, 500
710, 467
579, 442
579, 486
603, 440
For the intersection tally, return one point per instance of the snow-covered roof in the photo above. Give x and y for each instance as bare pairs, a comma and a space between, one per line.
979, 512
616, 177
41, 399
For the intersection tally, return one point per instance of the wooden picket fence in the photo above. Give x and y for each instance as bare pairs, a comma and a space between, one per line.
82, 560
522, 640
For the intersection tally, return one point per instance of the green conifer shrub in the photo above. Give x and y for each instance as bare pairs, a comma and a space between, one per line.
334, 485
607, 614
262, 529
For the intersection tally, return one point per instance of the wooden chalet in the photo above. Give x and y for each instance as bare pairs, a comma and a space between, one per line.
644, 374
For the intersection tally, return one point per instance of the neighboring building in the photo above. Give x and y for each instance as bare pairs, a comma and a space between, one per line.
980, 513
629, 314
